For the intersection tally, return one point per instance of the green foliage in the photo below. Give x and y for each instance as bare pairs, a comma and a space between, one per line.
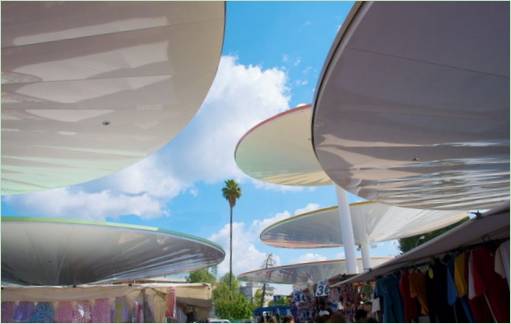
285, 301
231, 192
406, 244
231, 304
257, 298
201, 275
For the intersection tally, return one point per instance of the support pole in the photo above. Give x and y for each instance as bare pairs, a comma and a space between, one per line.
366, 256
347, 231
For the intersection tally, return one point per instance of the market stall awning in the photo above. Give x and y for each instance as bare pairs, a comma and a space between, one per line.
89, 88
412, 108
279, 150
372, 222
39, 251
492, 225
302, 274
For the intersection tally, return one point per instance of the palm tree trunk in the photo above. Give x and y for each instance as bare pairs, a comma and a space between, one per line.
230, 253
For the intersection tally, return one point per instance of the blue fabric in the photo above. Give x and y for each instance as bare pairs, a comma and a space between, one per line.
43, 313
23, 312
466, 309
452, 292
387, 289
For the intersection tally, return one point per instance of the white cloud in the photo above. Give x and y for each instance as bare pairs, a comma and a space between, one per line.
240, 97
85, 205
246, 256
297, 61
285, 57
310, 257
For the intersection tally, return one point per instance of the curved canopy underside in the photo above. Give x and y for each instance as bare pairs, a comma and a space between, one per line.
56, 252
301, 274
91, 87
372, 222
413, 105
279, 151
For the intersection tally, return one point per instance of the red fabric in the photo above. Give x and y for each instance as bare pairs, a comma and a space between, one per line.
480, 310
409, 304
487, 281
171, 303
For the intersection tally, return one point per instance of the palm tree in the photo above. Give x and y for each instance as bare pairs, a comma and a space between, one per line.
231, 193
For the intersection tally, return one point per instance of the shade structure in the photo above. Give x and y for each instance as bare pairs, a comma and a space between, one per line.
38, 251
279, 150
91, 87
412, 108
372, 222
301, 274
492, 225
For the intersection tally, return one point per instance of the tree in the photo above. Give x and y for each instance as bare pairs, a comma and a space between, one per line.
231, 193
284, 301
201, 275
230, 303
408, 243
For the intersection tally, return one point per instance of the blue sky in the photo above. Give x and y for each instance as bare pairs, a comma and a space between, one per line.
272, 57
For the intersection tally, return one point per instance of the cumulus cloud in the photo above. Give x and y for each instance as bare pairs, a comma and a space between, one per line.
240, 97
310, 257
86, 205
246, 255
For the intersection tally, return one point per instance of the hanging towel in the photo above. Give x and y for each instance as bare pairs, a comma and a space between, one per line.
101, 311
23, 312
64, 313
8, 312
43, 313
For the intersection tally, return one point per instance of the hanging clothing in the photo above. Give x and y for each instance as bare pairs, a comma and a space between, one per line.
43, 313
418, 290
102, 311
82, 312
387, 288
23, 312
121, 310
410, 309
64, 312
489, 284
460, 274
439, 309
502, 260
8, 312
452, 293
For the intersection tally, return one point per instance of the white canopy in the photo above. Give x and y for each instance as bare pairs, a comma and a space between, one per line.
91, 87
301, 274
373, 222
279, 150
412, 108
38, 251
493, 225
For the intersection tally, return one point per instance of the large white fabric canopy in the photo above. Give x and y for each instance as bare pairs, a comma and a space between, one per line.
492, 225
38, 251
372, 222
279, 150
301, 274
91, 87
412, 108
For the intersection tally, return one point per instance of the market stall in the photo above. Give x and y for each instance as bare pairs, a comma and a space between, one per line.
150, 302
460, 276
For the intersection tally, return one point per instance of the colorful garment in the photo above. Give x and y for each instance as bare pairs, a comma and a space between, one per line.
461, 275
8, 312
418, 290
102, 311
64, 313
409, 304
387, 288
122, 312
502, 260
82, 312
43, 313
23, 312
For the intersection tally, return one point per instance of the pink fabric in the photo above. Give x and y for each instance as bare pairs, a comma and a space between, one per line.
64, 312
102, 311
7, 312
